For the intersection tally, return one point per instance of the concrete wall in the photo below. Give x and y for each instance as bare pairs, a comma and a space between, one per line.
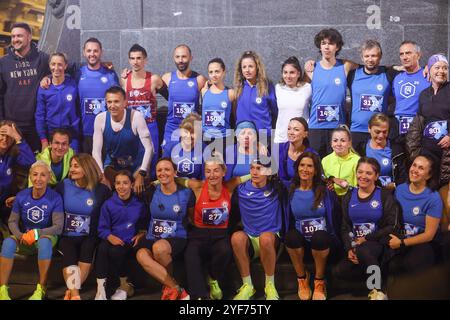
275, 29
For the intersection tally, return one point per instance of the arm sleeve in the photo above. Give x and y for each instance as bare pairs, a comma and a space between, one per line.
41, 127
99, 126
164, 91
390, 216
57, 227
57, 219
104, 223
13, 224
140, 127
25, 157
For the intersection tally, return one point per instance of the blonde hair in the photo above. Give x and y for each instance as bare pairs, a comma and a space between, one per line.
40, 163
92, 172
262, 83
216, 158
188, 123
377, 119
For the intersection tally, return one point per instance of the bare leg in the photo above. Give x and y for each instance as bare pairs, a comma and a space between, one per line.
240, 243
297, 256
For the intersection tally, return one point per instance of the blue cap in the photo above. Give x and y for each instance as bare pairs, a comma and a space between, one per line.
245, 125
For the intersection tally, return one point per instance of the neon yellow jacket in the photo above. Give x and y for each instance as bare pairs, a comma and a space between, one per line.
342, 168
45, 156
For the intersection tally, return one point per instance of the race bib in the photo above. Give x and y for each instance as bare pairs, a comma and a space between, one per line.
385, 180
435, 130
182, 109
94, 106
164, 228
214, 216
215, 119
77, 223
363, 229
371, 102
327, 113
411, 230
309, 226
146, 111
404, 122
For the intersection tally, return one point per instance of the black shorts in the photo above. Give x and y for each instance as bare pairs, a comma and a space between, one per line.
77, 249
177, 245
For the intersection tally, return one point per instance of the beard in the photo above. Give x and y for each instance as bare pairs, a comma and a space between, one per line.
182, 66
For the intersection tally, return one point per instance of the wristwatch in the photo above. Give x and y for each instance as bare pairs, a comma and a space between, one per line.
402, 243
142, 173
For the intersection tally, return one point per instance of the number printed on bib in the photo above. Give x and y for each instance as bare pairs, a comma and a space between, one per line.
327, 113
94, 106
363, 229
371, 102
215, 119
404, 122
164, 228
309, 226
77, 223
435, 130
182, 109
214, 216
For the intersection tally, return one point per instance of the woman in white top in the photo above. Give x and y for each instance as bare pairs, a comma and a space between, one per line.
293, 97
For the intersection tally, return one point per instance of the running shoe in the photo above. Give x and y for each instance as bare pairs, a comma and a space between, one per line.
215, 293
320, 290
4, 295
245, 292
38, 294
119, 295
271, 291
304, 291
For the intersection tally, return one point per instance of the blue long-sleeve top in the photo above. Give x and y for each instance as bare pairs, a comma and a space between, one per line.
57, 107
23, 157
283, 155
122, 218
260, 110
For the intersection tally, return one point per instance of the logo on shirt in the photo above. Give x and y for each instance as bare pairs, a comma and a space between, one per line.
250, 193
385, 161
104, 79
337, 81
374, 204
380, 87
190, 84
129, 225
135, 93
89, 202
35, 214
407, 90
176, 208
225, 204
224, 104
69, 97
258, 100
416, 211
320, 205
8, 172
353, 205
186, 166
267, 193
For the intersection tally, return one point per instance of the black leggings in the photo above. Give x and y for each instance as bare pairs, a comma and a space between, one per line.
77, 249
110, 260
320, 240
214, 244
413, 259
368, 253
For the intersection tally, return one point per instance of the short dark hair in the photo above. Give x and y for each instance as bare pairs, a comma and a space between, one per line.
94, 40
168, 160
22, 25
61, 131
332, 35
183, 45
137, 48
115, 90
219, 61
125, 173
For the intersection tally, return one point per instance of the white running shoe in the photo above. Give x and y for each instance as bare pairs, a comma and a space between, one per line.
119, 295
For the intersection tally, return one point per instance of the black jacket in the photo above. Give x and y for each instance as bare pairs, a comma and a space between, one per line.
388, 223
19, 81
